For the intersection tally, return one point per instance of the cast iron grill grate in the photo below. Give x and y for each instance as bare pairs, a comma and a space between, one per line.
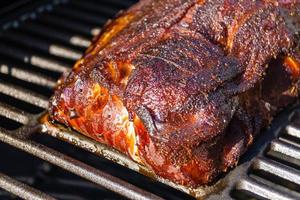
38, 45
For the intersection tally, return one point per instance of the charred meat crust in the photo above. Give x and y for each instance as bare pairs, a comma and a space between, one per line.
183, 87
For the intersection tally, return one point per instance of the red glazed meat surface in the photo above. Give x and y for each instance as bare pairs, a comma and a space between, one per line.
184, 86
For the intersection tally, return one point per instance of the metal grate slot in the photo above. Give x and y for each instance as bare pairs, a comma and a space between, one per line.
66, 24
258, 190
14, 114
285, 152
24, 95
42, 45
21, 105
9, 124
55, 35
105, 10
34, 58
86, 17
278, 173
22, 190
293, 132
28, 51
77, 167
26, 85
13, 63
47, 178
27, 75
275, 174
114, 169
286, 148
115, 3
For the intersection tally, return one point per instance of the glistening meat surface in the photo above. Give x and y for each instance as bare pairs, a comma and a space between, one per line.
184, 86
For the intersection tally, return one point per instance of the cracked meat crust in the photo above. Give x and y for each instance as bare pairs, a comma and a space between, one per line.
183, 86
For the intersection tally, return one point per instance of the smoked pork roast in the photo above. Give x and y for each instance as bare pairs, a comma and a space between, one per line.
184, 86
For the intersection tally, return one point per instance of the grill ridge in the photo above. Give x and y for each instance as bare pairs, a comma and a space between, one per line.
274, 173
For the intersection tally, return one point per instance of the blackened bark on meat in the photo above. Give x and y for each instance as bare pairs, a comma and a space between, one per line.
183, 87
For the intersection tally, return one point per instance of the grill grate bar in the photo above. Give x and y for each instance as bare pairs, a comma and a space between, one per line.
43, 45
285, 148
274, 174
277, 169
53, 34
22, 190
35, 60
85, 171
26, 75
46, 63
70, 25
13, 114
24, 95
64, 52
261, 190
293, 130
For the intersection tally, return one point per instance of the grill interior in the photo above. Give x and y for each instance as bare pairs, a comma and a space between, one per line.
41, 40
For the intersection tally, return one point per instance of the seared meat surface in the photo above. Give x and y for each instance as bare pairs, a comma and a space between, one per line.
183, 86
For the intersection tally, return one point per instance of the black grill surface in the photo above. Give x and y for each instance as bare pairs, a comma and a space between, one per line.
40, 40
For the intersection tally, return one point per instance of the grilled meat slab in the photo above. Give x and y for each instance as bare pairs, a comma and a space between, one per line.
184, 86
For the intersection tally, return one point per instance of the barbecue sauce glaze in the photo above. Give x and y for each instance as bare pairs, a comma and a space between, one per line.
184, 86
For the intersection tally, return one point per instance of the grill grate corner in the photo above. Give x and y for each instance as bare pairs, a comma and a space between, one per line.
274, 173
40, 43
